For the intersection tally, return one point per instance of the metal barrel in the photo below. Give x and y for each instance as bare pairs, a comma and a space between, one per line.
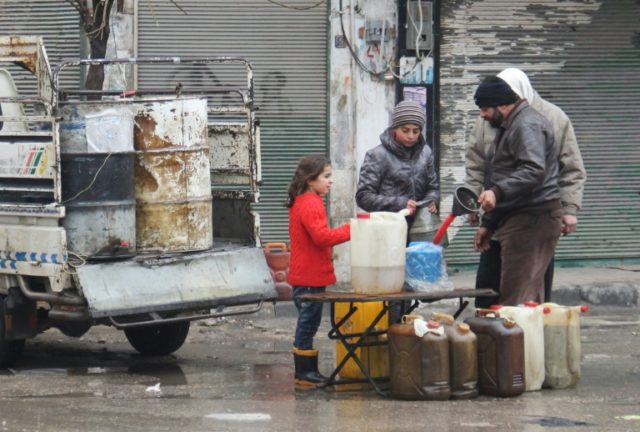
172, 177
98, 195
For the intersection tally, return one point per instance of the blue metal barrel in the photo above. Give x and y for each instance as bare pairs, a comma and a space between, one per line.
98, 195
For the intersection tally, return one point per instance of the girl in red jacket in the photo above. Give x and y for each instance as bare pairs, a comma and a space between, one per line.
310, 269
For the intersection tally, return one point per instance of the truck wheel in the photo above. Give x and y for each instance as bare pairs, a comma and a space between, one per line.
9, 350
159, 339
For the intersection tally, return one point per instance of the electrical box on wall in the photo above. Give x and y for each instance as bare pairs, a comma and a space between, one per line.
377, 31
415, 71
419, 31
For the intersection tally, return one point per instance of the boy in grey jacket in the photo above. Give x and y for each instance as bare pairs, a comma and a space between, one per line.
401, 170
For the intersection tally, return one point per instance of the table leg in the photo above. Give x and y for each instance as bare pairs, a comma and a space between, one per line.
462, 306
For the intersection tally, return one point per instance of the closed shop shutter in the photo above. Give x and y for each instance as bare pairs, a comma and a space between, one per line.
288, 50
59, 25
584, 57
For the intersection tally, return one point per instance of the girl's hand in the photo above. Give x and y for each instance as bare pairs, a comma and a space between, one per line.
411, 206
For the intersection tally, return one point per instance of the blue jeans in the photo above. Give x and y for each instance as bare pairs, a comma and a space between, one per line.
309, 317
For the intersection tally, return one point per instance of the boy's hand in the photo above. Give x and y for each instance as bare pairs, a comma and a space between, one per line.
411, 206
432, 207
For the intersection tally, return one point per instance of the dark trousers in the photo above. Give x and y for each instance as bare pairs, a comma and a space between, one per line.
488, 276
309, 317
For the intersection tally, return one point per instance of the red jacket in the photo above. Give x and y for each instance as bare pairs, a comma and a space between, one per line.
311, 242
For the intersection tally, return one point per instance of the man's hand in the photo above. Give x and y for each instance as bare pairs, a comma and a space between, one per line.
411, 206
487, 200
569, 224
482, 240
473, 219
431, 206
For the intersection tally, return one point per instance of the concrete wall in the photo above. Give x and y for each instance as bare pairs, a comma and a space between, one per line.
360, 105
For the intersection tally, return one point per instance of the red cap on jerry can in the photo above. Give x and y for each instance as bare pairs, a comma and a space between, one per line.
531, 303
495, 307
584, 308
363, 215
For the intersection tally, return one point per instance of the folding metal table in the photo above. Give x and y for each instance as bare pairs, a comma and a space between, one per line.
353, 341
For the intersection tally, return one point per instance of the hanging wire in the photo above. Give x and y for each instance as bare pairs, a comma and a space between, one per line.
352, 51
298, 8
104, 162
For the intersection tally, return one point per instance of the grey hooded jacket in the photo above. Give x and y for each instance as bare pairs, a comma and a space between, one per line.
391, 175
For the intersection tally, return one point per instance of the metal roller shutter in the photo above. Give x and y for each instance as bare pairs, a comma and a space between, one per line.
59, 25
581, 55
288, 50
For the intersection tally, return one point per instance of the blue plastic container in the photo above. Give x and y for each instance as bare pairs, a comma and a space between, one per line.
424, 262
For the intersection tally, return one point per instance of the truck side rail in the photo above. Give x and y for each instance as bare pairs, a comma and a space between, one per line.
59, 93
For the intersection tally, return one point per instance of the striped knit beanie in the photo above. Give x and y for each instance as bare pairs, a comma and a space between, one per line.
408, 112
494, 91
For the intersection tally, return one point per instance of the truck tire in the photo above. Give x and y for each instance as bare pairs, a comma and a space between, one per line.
159, 339
9, 350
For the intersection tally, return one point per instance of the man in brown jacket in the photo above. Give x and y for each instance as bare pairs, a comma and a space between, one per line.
572, 175
521, 196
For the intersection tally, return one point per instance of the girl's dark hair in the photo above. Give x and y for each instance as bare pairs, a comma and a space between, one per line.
309, 168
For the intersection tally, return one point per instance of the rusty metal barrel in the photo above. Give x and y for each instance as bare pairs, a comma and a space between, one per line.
172, 177
97, 181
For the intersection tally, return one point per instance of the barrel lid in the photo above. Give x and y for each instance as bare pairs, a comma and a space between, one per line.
432, 324
363, 215
463, 328
443, 318
509, 323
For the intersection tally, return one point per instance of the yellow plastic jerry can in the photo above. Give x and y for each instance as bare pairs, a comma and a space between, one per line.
375, 358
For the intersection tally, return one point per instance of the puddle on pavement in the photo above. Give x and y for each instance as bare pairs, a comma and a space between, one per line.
556, 422
166, 374
273, 382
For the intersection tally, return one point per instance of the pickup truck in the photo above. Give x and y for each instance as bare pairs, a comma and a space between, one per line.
131, 209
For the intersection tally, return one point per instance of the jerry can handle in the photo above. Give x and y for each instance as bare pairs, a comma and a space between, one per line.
275, 245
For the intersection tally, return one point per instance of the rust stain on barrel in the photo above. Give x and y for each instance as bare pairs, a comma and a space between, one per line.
144, 134
172, 179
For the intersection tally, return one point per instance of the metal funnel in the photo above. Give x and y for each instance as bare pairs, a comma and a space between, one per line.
464, 201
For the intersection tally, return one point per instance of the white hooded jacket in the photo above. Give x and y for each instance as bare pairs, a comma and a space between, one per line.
572, 176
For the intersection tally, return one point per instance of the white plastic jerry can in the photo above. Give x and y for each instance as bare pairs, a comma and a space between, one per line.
530, 318
378, 252
562, 345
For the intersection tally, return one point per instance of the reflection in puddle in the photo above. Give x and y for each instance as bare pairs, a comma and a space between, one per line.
273, 382
169, 374
558, 422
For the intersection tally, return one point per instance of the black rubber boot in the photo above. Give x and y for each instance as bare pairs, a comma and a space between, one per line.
307, 375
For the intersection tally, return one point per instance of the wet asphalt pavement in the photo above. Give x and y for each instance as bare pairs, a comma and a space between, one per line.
236, 374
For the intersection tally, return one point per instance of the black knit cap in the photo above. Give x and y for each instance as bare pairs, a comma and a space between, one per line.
494, 91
